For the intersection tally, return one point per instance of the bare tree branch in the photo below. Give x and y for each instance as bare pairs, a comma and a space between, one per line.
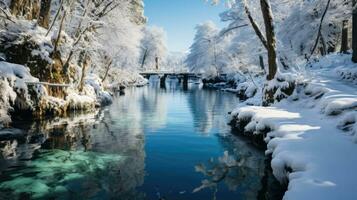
231, 29
7, 16
55, 19
319, 34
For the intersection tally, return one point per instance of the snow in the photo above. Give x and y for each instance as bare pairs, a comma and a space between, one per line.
308, 144
153, 45
14, 90
312, 134
13, 80
24, 30
119, 77
103, 96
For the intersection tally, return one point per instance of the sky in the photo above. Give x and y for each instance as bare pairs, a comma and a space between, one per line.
179, 18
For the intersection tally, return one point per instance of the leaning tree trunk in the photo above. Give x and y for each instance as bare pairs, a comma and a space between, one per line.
344, 37
44, 17
255, 26
270, 37
107, 69
354, 31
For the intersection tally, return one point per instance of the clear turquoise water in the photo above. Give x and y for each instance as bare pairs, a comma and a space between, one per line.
145, 145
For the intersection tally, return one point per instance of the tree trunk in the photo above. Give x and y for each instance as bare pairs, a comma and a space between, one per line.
261, 62
107, 70
157, 63
270, 37
354, 31
16, 7
255, 25
59, 32
84, 69
344, 38
283, 63
29, 9
44, 18
323, 45
319, 33
144, 58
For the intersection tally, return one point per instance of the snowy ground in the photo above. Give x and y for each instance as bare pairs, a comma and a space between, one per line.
312, 135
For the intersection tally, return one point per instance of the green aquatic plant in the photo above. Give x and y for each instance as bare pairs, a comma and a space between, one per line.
63, 173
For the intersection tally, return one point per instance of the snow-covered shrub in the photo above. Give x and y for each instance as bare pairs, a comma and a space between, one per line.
246, 90
103, 97
120, 77
281, 87
341, 64
14, 92
348, 74
87, 100
7, 97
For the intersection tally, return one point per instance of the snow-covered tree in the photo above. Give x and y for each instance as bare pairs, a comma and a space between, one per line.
311, 27
137, 12
175, 61
153, 48
202, 57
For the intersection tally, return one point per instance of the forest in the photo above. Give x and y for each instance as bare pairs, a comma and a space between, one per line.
291, 67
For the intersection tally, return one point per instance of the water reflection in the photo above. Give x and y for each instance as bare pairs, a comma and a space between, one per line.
144, 146
83, 155
207, 109
236, 168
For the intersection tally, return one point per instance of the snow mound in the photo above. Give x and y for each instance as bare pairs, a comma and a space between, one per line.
301, 143
261, 119
119, 77
13, 80
349, 123
103, 97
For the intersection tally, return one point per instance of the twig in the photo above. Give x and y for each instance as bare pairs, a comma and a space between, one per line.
232, 28
7, 16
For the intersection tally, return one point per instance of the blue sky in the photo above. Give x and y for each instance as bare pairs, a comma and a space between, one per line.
179, 18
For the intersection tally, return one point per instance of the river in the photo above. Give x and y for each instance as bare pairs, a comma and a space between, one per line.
151, 143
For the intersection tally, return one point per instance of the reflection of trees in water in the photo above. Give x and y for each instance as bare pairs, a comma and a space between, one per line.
69, 133
241, 166
146, 103
85, 155
117, 134
208, 109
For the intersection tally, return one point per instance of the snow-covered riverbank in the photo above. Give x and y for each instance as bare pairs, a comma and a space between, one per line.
312, 134
20, 91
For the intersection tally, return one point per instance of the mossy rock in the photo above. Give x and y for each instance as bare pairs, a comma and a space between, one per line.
22, 48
